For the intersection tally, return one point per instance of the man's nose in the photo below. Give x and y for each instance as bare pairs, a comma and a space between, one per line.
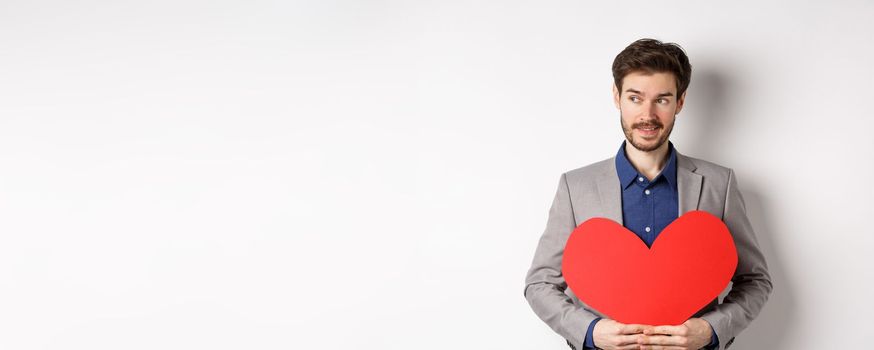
649, 109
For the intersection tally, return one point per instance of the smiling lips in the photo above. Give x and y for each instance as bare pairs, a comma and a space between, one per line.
648, 130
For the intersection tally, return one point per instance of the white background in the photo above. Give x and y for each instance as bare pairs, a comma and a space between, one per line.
376, 174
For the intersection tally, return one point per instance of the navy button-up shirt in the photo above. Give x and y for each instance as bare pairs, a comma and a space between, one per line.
648, 206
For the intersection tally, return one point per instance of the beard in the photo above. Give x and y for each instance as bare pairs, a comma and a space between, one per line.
638, 144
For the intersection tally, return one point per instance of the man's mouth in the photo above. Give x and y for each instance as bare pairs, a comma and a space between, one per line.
650, 130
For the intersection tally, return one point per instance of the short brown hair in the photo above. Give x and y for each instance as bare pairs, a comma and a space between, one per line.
653, 56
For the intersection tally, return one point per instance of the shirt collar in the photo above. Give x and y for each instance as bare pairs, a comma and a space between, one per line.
627, 174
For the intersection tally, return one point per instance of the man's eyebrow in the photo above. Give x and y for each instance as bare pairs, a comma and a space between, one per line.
640, 93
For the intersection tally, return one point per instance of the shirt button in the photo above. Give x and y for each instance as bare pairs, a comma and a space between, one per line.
647, 229
647, 191
640, 179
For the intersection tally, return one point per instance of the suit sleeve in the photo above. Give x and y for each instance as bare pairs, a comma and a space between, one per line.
751, 281
544, 283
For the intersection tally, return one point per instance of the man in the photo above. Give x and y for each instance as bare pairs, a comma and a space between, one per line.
646, 186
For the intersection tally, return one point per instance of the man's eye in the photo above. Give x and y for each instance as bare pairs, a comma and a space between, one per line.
663, 100
634, 98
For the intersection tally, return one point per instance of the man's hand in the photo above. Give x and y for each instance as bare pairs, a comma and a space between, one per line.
610, 335
691, 335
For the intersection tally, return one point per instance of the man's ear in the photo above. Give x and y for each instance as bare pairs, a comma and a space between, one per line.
680, 102
616, 96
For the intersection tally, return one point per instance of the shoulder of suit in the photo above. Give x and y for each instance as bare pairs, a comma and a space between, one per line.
591, 170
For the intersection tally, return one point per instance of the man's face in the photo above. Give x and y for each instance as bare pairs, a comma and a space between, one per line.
648, 105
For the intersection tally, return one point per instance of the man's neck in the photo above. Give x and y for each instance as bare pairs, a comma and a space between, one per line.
649, 164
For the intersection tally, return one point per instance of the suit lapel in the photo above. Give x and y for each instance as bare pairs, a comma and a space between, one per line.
688, 188
609, 190
688, 184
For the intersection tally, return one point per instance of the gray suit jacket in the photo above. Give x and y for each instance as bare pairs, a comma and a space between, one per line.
594, 191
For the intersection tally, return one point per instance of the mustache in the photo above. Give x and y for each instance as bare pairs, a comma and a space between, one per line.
647, 124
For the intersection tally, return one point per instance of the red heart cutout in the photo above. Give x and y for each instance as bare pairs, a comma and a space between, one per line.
612, 270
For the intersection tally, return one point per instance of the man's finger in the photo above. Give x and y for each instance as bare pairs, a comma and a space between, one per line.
663, 340
661, 347
633, 328
627, 339
628, 347
668, 330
